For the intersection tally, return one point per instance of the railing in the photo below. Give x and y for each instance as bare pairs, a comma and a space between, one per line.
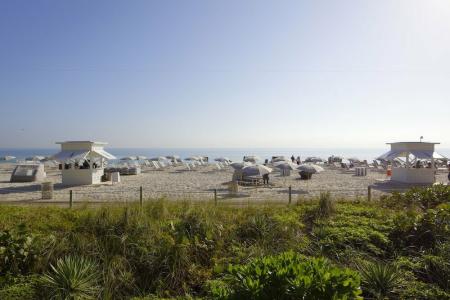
256, 194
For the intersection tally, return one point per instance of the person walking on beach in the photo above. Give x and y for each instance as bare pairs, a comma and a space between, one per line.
265, 179
293, 158
298, 160
448, 176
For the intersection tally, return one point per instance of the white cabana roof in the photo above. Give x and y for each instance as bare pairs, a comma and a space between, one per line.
425, 154
103, 153
71, 155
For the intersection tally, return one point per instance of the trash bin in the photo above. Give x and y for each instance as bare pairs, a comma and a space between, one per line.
47, 190
115, 177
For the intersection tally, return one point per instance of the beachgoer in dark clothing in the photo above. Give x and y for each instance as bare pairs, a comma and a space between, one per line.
265, 179
292, 158
448, 172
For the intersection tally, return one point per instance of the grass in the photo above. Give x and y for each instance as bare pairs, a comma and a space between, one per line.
169, 249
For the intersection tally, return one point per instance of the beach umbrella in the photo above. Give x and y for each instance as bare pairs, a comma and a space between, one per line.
284, 165
7, 158
354, 159
313, 159
173, 157
128, 158
310, 168
280, 159
35, 158
159, 158
251, 158
240, 165
193, 158
222, 159
256, 170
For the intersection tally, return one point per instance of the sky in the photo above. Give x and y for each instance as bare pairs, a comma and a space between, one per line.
224, 73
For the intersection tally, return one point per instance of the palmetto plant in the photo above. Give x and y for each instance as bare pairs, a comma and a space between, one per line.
73, 278
379, 280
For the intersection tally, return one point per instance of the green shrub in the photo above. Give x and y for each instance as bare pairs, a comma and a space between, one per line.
19, 288
287, 276
352, 227
423, 198
380, 280
72, 278
16, 251
415, 232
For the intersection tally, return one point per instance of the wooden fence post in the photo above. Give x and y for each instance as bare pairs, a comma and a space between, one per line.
70, 199
369, 193
290, 194
140, 196
215, 196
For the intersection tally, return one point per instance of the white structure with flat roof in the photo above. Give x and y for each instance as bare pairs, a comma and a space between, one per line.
414, 154
83, 162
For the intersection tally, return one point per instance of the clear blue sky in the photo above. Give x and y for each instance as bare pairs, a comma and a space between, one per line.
224, 73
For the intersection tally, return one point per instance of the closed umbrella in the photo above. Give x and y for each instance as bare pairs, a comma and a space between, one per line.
240, 165
310, 168
256, 170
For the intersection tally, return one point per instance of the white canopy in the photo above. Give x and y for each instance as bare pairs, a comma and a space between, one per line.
423, 154
71, 155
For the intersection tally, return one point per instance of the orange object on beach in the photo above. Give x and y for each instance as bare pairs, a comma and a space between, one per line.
389, 172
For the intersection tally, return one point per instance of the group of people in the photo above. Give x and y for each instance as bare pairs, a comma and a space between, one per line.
296, 160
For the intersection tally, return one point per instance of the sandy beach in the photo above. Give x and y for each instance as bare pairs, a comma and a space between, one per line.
177, 183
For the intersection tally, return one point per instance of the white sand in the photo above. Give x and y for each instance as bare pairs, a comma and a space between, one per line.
175, 183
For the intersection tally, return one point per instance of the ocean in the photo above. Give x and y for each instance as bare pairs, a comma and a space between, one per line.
235, 154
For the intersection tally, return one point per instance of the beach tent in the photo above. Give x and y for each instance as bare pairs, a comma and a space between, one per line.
28, 173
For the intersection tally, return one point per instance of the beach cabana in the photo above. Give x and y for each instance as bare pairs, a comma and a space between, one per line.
28, 173
418, 166
82, 162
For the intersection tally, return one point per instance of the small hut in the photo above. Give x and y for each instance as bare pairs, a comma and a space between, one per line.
28, 173
82, 162
418, 159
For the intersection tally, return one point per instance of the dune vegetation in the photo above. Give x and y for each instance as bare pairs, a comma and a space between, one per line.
397, 247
